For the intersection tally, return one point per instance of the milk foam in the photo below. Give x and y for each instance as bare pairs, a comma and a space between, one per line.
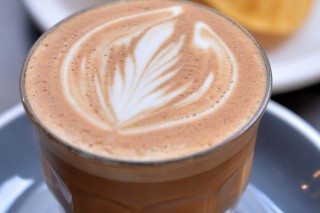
135, 92
145, 80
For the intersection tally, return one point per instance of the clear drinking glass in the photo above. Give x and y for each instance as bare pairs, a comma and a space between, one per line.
210, 181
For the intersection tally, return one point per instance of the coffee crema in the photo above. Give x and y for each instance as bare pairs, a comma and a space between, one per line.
145, 80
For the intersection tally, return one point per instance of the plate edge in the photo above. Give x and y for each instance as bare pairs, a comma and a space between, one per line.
295, 121
274, 108
11, 114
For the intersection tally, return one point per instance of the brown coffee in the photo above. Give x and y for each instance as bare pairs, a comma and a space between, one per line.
134, 90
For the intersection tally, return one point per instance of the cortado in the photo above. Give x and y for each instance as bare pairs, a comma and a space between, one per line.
145, 81
146, 105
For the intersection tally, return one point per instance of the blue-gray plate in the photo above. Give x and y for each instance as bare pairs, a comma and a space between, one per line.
285, 176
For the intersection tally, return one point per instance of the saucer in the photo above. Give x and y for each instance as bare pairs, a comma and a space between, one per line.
295, 63
285, 175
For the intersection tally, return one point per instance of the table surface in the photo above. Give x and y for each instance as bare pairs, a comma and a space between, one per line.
18, 33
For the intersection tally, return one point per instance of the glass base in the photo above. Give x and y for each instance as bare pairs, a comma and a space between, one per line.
39, 199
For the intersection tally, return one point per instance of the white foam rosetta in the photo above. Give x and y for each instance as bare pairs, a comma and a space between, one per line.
143, 82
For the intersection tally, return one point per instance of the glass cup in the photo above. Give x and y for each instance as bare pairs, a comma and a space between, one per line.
210, 181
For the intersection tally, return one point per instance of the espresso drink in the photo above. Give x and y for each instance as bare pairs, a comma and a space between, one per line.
146, 106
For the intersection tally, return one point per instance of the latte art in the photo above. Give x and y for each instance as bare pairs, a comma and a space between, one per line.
145, 80
150, 74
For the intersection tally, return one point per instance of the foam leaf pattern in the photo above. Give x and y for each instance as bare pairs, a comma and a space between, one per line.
138, 73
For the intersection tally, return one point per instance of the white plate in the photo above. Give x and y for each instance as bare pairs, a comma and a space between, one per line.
295, 64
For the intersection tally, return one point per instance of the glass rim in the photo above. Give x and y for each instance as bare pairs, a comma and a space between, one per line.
112, 161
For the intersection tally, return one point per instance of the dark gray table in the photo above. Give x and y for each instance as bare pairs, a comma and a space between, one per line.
17, 34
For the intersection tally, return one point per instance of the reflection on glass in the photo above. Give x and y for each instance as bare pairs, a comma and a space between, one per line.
304, 186
316, 174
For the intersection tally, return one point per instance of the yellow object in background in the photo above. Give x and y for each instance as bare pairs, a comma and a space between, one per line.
269, 17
